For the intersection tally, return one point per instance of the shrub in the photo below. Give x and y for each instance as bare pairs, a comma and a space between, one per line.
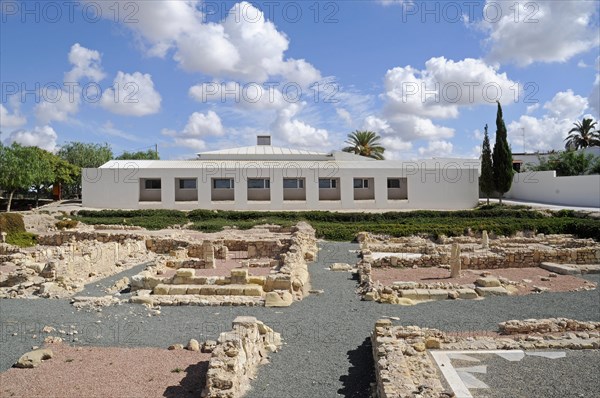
66, 224
11, 223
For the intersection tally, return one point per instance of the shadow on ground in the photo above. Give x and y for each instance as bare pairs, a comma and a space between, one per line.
192, 384
357, 383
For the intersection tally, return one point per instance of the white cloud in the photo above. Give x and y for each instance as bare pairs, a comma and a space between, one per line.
545, 31
297, 132
395, 144
11, 121
444, 85
86, 63
594, 97
243, 46
380, 126
131, 95
566, 105
344, 115
549, 131
393, 2
199, 126
532, 108
414, 97
582, 64
57, 105
42, 137
437, 149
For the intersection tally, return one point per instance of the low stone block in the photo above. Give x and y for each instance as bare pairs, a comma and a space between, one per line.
340, 267
33, 358
194, 289
239, 276
161, 289
273, 299
208, 290
562, 269
254, 291
236, 290
467, 293
223, 290
186, 272
178, 289
409, 293
438, 294
488, 281
256, 280
491, 291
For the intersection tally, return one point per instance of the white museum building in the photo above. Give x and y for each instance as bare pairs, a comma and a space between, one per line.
264, 177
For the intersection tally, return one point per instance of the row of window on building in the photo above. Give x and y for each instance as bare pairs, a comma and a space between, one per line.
222, 189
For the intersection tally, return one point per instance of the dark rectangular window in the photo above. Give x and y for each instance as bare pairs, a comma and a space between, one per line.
152, 184
223, 183
259, 183
293, 183
187, 183
393, 183
327, 183
360, 183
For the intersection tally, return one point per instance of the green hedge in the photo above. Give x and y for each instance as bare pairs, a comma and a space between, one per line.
345, 226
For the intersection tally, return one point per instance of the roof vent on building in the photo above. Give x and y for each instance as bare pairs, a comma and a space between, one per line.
263, 140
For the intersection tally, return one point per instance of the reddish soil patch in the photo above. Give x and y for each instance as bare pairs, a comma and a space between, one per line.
99, 372
559, 283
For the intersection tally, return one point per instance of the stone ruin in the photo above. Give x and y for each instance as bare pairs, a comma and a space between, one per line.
173, 279
403, 368
235, 358
62, 263
60, 270
469, 253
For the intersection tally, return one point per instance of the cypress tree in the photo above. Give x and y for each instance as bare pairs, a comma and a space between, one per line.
502, 157
486, 181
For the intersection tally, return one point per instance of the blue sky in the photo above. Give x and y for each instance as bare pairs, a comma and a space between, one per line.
424, 75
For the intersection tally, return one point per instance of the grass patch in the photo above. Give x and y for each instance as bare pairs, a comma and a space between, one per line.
501, 220
66, 224
177, 370
22, 239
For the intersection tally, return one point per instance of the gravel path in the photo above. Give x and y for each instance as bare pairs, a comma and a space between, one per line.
326, 352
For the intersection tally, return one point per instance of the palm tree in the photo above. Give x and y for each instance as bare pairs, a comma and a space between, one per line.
365, 143
583, 135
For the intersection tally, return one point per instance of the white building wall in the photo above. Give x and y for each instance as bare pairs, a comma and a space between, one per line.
546, 187
428, 188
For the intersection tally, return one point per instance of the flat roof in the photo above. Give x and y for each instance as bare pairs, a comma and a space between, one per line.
450, 163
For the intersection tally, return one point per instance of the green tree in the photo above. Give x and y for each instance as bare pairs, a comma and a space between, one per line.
583, 135
84, 155
502, 158
486, 181
41, 167
568, 163
365, 143
15, 171
140, 155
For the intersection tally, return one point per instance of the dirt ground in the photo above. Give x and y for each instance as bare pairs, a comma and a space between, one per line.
100, 372
527, 278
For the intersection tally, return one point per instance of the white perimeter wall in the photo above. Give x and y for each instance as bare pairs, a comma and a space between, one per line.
545, 187
443, 188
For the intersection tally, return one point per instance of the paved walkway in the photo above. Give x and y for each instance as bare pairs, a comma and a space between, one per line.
537, 205
326, 350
